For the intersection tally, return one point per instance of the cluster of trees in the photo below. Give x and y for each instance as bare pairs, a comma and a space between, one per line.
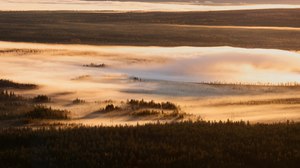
78, 101
265, 102
110, 108
95, 65
20, 51
4, 84
142, 104
136, 78
162, 114
6, 95
43, 112
17, 107
142, 108
184, 144
13, 106
145, 113
283, 84
41, 99
138, 104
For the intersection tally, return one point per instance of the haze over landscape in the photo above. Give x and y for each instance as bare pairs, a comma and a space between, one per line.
185, 52
149, 83
180, 51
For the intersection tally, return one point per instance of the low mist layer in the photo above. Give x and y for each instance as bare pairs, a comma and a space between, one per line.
185, 64
178, 74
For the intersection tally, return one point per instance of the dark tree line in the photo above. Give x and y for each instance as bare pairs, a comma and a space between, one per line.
186, 144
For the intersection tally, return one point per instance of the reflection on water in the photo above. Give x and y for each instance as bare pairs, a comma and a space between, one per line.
124, 6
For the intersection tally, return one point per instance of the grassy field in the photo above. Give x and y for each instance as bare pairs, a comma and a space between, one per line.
155, 28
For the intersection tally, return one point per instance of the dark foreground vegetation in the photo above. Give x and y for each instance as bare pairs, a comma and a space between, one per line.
155, 28
186, 144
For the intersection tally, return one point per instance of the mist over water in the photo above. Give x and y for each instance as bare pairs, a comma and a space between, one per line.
226, 64
166, 73
184, 64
